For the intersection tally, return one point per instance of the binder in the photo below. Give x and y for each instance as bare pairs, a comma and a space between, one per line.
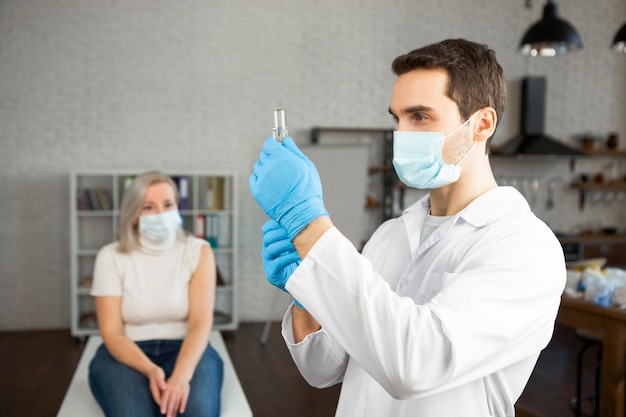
213, 229
215, 193
199, 226
183, 193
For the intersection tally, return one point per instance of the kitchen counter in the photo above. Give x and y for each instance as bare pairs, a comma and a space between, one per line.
609, 246
610, 324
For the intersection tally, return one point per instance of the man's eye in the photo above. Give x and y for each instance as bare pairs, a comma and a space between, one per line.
420, 117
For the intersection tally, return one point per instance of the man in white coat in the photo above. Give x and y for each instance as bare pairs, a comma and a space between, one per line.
448, 307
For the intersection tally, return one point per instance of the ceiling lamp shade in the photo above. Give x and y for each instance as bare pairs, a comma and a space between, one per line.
551, 35
619, 43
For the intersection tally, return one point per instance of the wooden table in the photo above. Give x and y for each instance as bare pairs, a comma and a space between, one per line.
610, 323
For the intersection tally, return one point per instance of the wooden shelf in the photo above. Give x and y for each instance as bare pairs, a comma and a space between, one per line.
381, 168
612, 186
606, 152
594, 238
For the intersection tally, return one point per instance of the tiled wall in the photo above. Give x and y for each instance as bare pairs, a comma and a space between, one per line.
86, 84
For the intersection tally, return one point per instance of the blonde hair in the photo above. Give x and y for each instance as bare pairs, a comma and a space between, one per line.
132, 205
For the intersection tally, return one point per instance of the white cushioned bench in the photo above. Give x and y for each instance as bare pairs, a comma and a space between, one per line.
79, 401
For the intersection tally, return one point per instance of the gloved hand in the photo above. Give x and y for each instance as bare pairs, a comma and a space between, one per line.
279, 255
287, 186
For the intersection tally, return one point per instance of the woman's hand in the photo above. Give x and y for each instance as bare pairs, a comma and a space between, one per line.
157, 384
174, 397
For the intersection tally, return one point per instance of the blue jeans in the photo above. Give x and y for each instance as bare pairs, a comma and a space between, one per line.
122, 391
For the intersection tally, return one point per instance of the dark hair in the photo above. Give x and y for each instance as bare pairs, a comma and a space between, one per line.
475, 79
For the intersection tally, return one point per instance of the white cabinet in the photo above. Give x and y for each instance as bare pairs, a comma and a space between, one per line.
209, 210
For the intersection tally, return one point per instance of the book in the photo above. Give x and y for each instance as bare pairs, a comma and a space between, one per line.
224, 230
219, 278
199, 226
213, 229
93, 198
80, 203
108, 195
215, 193
227, 193
183, 192
103, 198
87, 199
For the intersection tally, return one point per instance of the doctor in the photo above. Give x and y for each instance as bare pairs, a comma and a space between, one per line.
448, 307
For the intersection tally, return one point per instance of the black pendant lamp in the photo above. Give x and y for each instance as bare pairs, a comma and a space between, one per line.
551, 35
619, 43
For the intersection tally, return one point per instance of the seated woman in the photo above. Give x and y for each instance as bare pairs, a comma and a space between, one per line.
154, 291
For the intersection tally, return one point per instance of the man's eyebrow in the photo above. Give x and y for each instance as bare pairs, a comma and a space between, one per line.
418, 109
413, 110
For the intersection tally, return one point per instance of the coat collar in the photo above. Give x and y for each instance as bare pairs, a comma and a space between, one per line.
486, 209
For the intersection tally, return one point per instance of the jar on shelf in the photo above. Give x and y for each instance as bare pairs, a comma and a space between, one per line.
612, 141
588, 143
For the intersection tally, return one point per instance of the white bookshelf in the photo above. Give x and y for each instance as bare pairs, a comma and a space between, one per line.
210, 212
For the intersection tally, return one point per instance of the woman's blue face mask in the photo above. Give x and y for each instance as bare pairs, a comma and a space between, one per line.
161, 227
418, 159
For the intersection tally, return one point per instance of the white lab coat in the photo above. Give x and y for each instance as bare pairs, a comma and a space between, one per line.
450, 328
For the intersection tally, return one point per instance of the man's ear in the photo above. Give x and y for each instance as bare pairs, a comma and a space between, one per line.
485, 125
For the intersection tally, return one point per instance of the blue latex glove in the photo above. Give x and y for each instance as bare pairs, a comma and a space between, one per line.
287, 186
279, 255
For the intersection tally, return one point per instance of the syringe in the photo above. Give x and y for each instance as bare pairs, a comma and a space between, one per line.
280, 125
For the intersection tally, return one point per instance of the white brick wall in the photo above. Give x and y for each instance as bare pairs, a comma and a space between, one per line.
191, 84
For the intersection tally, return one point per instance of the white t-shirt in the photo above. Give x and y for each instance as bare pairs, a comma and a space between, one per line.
432, 223
154, 286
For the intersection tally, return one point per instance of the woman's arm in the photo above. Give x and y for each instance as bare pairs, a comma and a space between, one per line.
108, 311
201, 303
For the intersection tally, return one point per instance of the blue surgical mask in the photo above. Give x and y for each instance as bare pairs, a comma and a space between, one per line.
160, 227
418, 160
